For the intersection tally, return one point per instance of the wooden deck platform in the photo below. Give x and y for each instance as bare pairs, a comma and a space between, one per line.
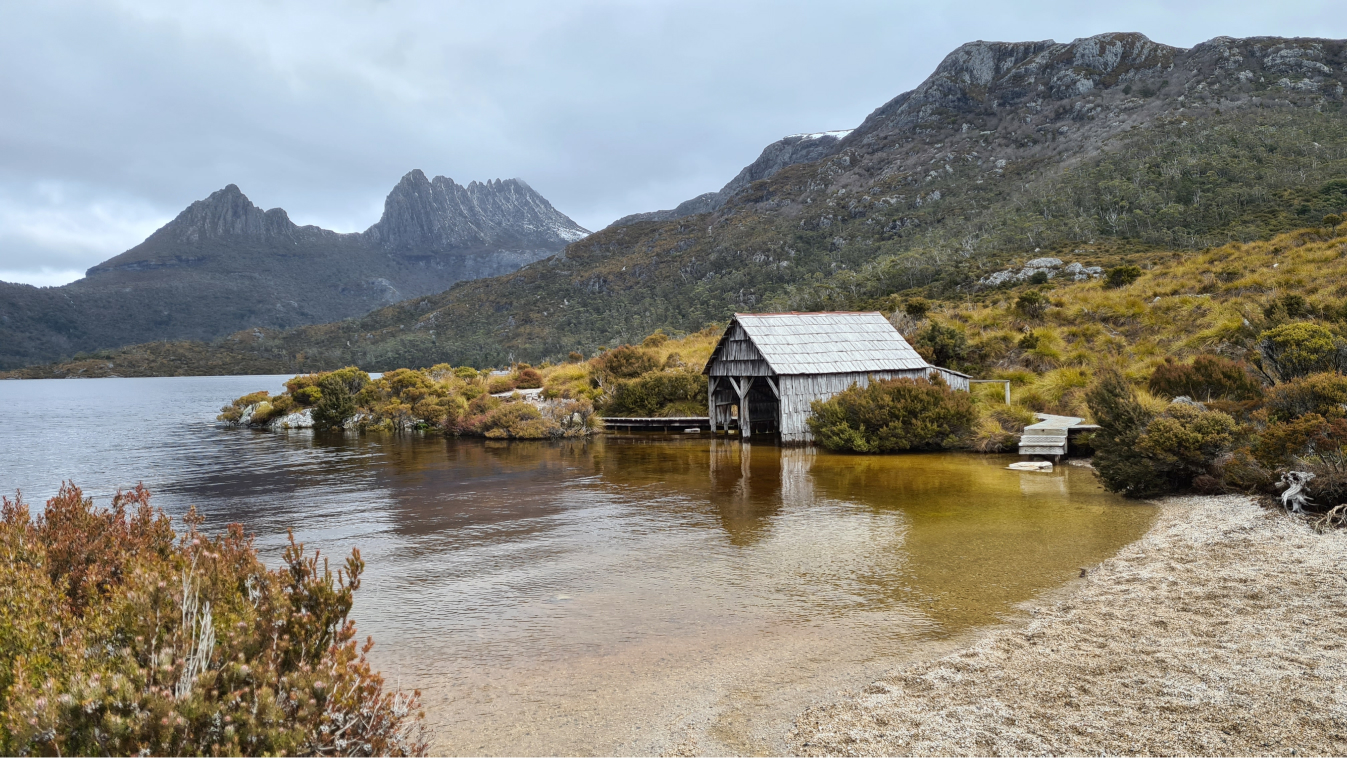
1050, 435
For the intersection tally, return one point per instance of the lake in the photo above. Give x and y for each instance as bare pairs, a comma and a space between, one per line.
626, 594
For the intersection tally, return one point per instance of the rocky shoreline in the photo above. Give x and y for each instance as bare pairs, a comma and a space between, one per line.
1221, 632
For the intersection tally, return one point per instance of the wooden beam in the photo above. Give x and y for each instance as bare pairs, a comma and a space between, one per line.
741, 385
1005, 382
773, 386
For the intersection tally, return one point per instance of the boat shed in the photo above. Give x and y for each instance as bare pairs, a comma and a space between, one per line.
771, 366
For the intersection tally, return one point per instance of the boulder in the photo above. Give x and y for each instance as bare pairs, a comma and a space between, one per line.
298, 420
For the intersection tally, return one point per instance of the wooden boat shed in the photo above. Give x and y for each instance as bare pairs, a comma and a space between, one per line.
771, 366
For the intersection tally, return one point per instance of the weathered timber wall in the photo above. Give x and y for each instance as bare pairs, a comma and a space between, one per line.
799, 391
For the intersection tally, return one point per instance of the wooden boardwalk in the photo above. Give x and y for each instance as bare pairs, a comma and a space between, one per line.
657, 424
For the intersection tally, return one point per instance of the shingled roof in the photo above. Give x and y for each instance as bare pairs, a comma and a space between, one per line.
828, 343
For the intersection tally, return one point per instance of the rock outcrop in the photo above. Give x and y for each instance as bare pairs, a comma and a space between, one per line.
1049, 267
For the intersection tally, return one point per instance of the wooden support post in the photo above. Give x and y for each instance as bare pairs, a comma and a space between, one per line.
711, 403
742, 387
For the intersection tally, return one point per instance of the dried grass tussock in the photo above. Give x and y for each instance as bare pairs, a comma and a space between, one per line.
1221, 632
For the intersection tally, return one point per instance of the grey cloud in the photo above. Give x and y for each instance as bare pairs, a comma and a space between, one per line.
136, 109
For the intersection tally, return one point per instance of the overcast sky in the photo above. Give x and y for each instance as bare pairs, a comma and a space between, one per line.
116, 115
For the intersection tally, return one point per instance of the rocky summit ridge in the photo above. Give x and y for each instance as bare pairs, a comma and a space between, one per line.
224, 264
433, 215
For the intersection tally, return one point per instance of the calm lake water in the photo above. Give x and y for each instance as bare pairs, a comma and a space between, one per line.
619, 595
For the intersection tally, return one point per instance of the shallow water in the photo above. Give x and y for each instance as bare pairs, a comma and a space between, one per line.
618, 595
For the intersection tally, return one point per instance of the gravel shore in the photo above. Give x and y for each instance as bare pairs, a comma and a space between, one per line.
1221, 632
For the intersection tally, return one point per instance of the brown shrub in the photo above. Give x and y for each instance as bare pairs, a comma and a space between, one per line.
119, 637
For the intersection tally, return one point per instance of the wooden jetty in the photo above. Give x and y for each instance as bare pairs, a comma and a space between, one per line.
1051, 434
657, 424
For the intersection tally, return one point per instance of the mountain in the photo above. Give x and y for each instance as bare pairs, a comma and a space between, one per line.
1107, 149
787, 151
224, 264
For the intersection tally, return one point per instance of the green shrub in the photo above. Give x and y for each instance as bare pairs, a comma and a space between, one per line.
947, 344
1186, 441
662, 393
405, 399
120, 637
1139, 454
1122, 421
336, 404
1288, 306
1297, 349
917, 308
1322, 394
656, 339
307, 396
498, 384
894, 415
1207, 378
1121, 276
466, 372
1032, 304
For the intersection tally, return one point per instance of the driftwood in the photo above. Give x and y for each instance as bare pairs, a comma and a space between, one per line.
1294, 498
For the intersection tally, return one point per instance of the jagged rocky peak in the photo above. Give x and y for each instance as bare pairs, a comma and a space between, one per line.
439, 215
225, 213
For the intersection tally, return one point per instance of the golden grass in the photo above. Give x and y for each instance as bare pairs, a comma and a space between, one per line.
1182, 305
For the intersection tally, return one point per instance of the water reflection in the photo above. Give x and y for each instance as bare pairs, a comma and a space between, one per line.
595, 595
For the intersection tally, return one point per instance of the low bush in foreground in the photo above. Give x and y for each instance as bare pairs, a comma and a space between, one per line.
893, 415
120, 637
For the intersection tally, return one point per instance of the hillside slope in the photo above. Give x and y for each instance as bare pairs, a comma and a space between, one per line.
1008, 151
224, 264
1095, 151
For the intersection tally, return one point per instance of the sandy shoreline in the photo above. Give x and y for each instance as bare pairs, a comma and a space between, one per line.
1220, 632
